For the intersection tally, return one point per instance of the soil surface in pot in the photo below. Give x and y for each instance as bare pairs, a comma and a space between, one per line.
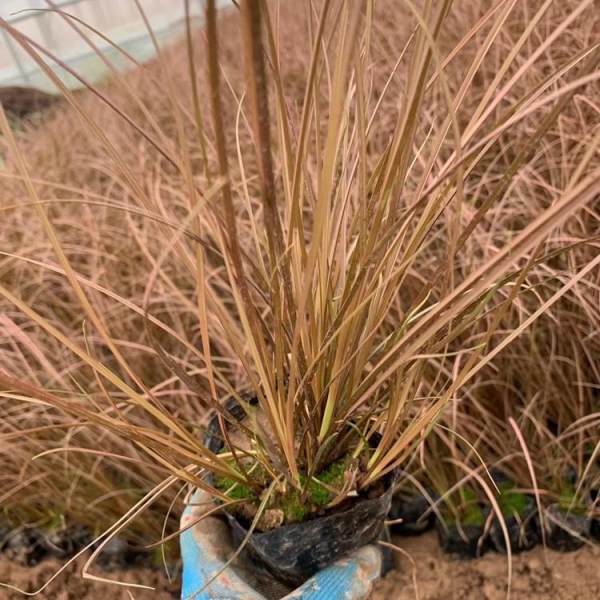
558, 576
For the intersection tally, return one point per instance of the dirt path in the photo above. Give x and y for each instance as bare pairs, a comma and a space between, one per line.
537, 575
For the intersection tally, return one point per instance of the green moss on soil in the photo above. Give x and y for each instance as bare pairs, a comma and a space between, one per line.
294, 511
469, 512
568, 502
332, 477
473, 515
511, 502
233, 489
295, 508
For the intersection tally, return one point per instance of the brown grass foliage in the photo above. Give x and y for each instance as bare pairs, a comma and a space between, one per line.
115, 226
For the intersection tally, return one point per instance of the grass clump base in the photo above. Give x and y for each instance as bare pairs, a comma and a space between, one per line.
286, 504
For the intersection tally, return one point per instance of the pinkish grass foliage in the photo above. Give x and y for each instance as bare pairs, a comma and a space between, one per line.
116, 222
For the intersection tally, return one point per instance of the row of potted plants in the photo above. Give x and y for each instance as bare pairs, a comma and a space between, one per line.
470, 527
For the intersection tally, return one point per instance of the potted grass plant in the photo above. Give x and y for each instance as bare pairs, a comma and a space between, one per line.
462, 531
567, 521
303, 227
519, 512
539, 446
556, 470
567, 518
411, 511
512, 520
460, 496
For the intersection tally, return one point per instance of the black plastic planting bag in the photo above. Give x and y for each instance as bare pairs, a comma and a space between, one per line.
466, 541
565, 531
413, 513
293, 553
595, 530
522, 530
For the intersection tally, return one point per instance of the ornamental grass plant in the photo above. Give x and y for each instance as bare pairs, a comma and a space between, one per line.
340, 218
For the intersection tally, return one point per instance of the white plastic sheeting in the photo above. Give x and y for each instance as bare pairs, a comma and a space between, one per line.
120, 20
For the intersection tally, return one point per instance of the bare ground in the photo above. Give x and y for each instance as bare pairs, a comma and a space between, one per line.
537, 575
71, 586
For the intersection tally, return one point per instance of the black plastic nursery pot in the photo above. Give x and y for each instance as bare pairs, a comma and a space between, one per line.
464, 534
465, 541
415, 512
4, 531
595, 525
293, 553
595, 530
565, 531
66, 542
522, 529
26, 546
